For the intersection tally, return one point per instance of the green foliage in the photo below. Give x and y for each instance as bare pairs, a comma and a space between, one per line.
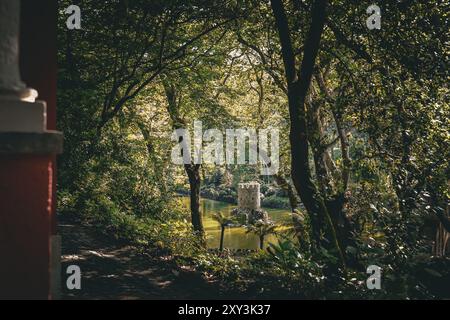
221, 193
262, 229
382, 95
222, 220
274, 201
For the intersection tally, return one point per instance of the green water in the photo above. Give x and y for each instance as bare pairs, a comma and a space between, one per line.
234, 238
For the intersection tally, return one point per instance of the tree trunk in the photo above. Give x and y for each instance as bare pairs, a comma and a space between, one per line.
285, 185
316, 137
261, 242
192, 170
344, 150
222, 234
335, 201
193, 173
298, 85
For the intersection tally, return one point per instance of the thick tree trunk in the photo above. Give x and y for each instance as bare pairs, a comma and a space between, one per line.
298, 85
193, 173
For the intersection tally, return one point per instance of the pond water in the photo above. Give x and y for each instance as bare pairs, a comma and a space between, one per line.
236, 237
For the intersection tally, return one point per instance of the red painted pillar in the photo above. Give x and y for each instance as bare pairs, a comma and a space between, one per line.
27, 154
25, 215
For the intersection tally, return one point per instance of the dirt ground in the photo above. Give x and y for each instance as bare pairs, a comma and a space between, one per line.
110, 270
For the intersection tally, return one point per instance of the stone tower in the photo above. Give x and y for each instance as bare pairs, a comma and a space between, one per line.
249, 196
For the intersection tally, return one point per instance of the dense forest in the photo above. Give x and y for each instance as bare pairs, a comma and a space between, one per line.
362, 117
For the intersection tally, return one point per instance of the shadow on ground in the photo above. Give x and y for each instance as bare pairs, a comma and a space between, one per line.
111, 270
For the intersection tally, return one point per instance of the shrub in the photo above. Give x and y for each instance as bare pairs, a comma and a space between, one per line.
276, 202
